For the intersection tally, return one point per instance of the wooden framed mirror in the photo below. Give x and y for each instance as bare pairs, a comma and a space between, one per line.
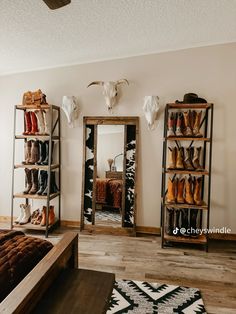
110, 162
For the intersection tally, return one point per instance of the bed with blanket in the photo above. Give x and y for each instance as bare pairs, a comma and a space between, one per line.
109, 192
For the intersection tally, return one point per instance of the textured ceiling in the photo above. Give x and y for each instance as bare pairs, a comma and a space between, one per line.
34, 37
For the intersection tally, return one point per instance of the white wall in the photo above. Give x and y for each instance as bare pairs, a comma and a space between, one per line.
208, 71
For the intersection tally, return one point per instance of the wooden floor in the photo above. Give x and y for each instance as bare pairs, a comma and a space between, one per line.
142, 258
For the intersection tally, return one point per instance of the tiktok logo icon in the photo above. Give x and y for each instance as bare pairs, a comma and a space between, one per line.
175, 231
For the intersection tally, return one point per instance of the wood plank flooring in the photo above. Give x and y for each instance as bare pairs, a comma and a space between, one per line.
142, 258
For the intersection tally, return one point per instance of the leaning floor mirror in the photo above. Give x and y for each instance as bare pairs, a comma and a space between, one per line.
109, 174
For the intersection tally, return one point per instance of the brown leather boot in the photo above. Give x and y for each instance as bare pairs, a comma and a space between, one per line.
34, 152
27, 153
188, 191
196, 158
170, 197
51, 217
180, 191
188, 160
34, 129
28, 125
197, 122
188, 130
179, 124
172, 158
171, 123
34, 187
43, 221
192, 117
28, 180
179, 159
197, 191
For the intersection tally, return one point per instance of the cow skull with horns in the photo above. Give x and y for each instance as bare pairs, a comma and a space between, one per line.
110, 91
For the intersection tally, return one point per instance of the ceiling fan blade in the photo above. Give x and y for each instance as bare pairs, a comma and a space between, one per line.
56, 4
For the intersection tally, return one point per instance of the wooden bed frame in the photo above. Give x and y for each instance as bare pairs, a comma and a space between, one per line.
30, 290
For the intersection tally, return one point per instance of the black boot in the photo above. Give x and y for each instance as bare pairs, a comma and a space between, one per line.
43, 179
169, 221
184, 221
176, 226
42, 152
53, 186
193, 222
45, 162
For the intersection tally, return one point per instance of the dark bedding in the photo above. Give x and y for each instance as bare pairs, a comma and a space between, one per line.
19, 254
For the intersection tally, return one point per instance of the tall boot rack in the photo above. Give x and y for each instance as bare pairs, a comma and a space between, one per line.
54, 135
204, 209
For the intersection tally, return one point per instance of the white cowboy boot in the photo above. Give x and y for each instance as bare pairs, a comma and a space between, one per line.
47, 121
26, 214
18, 219
40, 119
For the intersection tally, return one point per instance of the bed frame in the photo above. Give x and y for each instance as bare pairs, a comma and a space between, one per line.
30, 290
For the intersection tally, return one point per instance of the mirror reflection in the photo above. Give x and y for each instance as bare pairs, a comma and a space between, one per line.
109, 181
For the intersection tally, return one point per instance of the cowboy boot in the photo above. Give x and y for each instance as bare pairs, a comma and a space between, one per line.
18, 219
169, 221
42, 152
40, 120
176, 225
51, 216
180, 191
193, 222
34, 123
27, 153
188, 130
179, 159
197, 191
188, 160
170, 197
196, 158
193, 114
43, 177
34, 152
26, 214
179, 124
28, 124
53, 186
28, 180
45, 161
197, 123
184, 222
34, 216
43, 221
171, 123
34, 188
172, 158
47, 121
188, 191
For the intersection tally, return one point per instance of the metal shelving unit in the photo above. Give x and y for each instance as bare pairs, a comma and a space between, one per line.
207, 126
55, 128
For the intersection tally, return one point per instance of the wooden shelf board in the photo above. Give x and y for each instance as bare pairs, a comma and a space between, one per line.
199, 240
41, 167
30, 226
35, 196
189, 106
175, 205
40, 137
182, 138
193, 172
35, 107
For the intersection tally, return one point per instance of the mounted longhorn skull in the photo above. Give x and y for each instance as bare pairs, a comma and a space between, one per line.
110, 91
151, 108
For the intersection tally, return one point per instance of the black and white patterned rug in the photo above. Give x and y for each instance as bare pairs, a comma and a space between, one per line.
108, 215
137, 297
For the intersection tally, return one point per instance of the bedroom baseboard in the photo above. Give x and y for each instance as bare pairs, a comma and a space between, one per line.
139, 229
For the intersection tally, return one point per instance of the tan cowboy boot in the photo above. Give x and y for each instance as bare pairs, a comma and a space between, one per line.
51, 217
179, 159
180, 191
172, 158
188, 130
34, 156
27, 153
171, 123
197, 122
28, 180
179, 124
170, 197
196, 158
188, 160
188, 191
43, 221
197, 191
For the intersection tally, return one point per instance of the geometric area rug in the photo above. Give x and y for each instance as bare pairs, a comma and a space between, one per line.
137, 297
